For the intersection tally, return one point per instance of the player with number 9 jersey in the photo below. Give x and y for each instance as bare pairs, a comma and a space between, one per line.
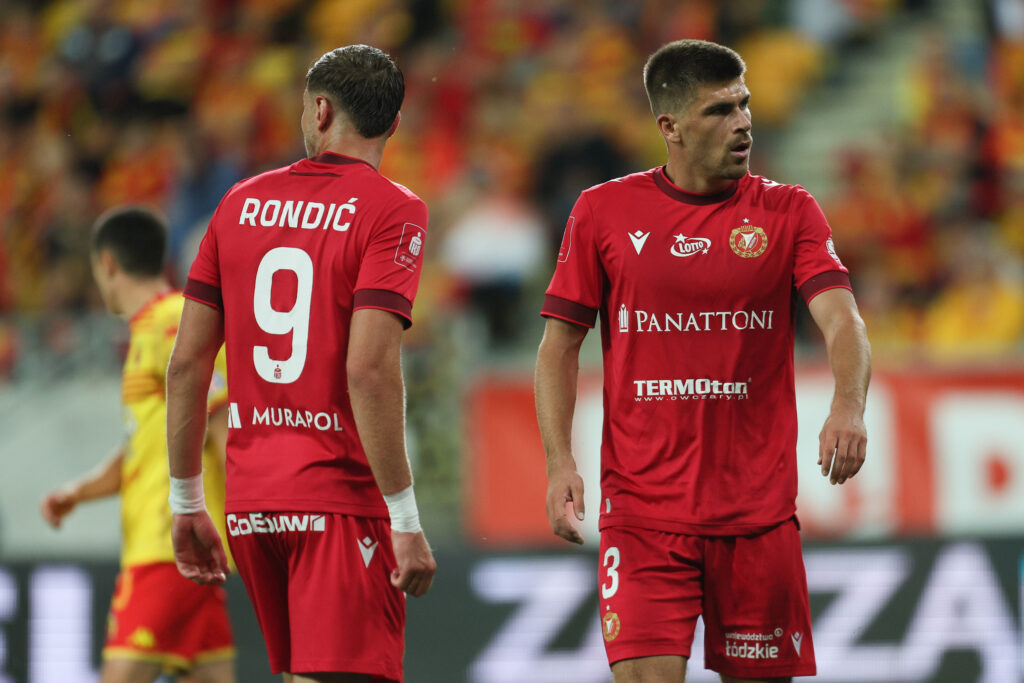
302, 247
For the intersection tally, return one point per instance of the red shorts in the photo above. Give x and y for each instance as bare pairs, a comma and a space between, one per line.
158, 615
321, 588
751, 591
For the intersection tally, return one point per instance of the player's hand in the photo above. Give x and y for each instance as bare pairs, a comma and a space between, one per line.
197, 548
565, 491
416, 565
56, 505
842, 445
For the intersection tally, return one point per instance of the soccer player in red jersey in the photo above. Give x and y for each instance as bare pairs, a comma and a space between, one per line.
308, 273
692, 266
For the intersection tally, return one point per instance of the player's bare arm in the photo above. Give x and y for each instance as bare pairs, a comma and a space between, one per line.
555, 395
377, 392
843, 439
102, 481
197, 545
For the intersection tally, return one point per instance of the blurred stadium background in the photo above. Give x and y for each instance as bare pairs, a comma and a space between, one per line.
905, 118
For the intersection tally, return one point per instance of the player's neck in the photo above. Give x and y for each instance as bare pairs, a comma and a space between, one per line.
370, 150
685, 177
135, 294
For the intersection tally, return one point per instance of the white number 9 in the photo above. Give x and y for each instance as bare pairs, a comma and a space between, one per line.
272, 321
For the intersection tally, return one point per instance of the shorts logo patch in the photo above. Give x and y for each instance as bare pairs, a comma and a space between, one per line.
751, 646
367, 546
798, 641
610, 626
142, 638
748, 241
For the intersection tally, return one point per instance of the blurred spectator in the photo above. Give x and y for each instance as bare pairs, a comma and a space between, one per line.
170, 102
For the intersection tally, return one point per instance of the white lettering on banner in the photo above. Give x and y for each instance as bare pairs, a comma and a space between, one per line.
8, 605
675, 389
549, 591
703, 321
978, 440
863, 581
293, 214
60, 628
258, 523
961, 608
296, 418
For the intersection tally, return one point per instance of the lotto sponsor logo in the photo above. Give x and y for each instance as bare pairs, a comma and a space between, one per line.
689, 246
703, 321
257, 523
751, 646
301, 419
685, 389
303, 215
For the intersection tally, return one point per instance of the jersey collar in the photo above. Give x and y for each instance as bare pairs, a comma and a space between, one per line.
148, 306
679, 194
338, 159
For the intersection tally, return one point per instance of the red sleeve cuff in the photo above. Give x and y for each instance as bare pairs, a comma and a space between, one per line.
570, 311
204, 293
384, 300
830, 279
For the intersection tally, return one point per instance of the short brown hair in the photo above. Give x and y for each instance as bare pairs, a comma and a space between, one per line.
362, 81
675, 70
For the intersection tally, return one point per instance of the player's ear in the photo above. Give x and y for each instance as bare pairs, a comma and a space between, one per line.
669, 127
394, 126
107, 262
324, 113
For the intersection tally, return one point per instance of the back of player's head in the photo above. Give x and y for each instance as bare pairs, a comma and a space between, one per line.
675, 71
135, 236
364, 82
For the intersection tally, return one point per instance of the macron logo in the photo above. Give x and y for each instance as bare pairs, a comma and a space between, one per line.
366, 548
798, 641
639, 238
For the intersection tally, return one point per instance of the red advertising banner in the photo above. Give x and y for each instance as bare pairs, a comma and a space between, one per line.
945, 455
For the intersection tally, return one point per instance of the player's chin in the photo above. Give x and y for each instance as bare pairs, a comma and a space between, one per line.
735, 168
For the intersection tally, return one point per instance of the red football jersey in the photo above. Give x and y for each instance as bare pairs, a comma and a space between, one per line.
288, 256
697, 319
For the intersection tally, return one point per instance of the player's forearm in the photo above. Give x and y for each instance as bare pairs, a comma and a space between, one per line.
104, 480
187, 385
377, 394
849, 355
555, 396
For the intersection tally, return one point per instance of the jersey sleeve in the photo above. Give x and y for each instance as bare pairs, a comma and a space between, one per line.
389, 272
217, 396
577, 287
204, 277
816, 266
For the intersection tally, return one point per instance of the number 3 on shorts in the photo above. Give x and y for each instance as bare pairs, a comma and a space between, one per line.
611, 560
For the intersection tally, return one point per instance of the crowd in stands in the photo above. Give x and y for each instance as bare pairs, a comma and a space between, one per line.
512, 108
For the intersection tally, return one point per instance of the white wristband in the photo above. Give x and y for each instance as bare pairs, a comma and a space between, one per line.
402, 509
187, 495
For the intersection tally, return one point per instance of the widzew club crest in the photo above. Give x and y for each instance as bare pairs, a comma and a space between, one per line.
610, 626
748, 241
